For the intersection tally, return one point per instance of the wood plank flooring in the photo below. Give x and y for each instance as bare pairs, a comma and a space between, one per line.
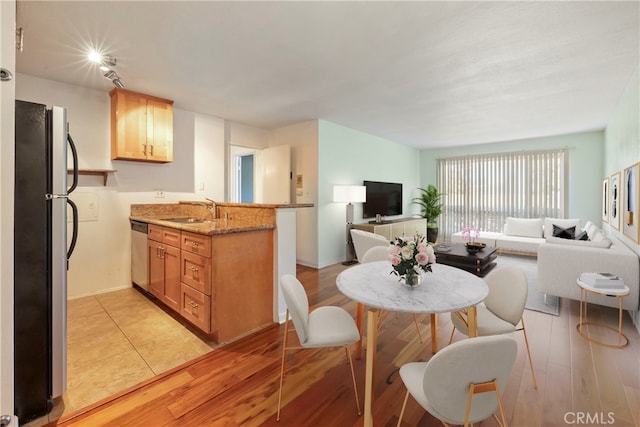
578, 383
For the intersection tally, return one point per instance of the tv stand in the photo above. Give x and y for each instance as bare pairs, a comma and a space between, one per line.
395, 227
384, 221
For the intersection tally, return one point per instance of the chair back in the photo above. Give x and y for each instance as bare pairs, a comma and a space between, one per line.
297, 303
508, 290
363, 240
376, 253
450, 372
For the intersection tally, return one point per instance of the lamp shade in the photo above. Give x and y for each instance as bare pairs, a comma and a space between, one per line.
349, 194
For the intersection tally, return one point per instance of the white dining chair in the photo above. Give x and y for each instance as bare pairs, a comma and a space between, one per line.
381, 253
501, 311
363, 240
327, 326
461, 384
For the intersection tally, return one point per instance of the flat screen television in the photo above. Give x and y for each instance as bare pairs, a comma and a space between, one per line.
384, 198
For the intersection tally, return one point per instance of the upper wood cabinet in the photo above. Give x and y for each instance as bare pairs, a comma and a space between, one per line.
141, 127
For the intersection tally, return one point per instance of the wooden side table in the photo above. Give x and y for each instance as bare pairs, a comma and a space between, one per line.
620, 293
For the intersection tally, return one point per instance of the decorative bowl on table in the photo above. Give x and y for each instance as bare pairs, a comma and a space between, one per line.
474, 247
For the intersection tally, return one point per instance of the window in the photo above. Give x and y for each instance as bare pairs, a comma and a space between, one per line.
482, 191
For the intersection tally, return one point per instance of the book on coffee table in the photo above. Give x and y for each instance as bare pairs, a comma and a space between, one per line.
602, 280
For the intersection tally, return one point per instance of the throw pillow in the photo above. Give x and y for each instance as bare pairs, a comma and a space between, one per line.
582, 235
564, 233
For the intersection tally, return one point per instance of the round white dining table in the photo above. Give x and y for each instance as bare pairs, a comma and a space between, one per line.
373, 285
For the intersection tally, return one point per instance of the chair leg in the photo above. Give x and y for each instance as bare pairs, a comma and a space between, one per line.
526, 341
415, 320
453, 331
501, 407
404, 405
353, 378
284, 349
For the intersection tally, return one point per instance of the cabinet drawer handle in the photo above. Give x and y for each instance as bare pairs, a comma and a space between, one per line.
162, 251
151, 149
190, 243
193, 304
194, 269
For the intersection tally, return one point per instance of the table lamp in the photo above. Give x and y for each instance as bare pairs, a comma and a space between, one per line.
349, 194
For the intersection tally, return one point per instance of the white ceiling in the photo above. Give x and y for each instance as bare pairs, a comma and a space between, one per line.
426, 74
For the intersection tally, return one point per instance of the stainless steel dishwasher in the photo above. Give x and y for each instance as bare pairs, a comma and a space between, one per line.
139, 260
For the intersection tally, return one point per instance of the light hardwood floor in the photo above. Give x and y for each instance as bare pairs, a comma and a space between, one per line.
236, 385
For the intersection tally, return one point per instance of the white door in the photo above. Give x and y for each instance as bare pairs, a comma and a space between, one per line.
276, 174
7, 124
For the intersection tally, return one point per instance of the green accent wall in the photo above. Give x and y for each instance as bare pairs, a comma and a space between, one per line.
348, 157
586, 151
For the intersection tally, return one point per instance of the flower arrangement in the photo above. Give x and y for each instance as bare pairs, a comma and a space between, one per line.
409, 256
470, 234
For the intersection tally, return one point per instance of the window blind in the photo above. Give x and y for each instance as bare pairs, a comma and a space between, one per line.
483, 190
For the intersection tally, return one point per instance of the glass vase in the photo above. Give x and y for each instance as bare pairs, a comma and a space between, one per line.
412, 279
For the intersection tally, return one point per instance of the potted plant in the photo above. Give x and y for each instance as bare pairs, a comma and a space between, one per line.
430, 208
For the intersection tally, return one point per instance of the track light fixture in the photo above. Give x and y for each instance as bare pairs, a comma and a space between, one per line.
106, 63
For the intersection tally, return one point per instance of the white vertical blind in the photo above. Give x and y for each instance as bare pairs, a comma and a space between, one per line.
482, 191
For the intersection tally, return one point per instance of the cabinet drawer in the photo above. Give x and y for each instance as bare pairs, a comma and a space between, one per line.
196, 243
154, 232
196, 272
195, 307
171, 237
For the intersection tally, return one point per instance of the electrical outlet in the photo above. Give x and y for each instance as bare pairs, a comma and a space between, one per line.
159, 194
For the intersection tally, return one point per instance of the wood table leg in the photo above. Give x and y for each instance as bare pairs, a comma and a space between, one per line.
372, 337
472, 318
434, 333
357, 351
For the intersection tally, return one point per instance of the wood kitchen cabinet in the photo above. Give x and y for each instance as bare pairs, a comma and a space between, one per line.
222, 284
141, 127
163, 247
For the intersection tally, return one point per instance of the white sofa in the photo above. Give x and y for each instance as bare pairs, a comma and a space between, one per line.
521, 235
560, 262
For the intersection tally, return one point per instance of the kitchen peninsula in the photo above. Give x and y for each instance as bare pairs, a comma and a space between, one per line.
218, 265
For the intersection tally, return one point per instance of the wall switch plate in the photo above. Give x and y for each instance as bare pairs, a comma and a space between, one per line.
159, 194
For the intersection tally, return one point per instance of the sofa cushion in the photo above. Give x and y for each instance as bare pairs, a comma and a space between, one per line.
519, 243
583, 235
524, 227
564, 233
560, 222
602, 243
591, 230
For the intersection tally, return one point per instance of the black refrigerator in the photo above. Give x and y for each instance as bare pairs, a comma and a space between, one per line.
42, 248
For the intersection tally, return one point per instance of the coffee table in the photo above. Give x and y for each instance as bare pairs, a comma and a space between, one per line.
456, 255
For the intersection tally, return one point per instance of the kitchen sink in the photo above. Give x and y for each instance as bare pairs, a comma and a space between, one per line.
185, 220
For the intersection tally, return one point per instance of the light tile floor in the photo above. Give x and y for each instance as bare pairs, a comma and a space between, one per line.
116, 340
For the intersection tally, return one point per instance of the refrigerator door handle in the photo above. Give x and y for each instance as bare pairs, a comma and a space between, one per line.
74, 235
74, 154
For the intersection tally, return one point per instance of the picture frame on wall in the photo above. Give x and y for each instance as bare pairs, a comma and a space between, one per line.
614, 201
630, 197
605, 200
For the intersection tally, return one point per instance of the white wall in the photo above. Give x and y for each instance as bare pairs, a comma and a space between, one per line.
303, 140
7, 160
101, 262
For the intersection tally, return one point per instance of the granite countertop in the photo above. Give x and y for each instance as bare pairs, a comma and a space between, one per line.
209, 227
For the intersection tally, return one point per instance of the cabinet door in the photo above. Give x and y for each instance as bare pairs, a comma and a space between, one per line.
384, 230
171, 296
397, 230
159, 131
128, 126
156, 268
416, 226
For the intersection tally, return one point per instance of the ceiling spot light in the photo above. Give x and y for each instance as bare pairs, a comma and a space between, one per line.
94, 56
115, 79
